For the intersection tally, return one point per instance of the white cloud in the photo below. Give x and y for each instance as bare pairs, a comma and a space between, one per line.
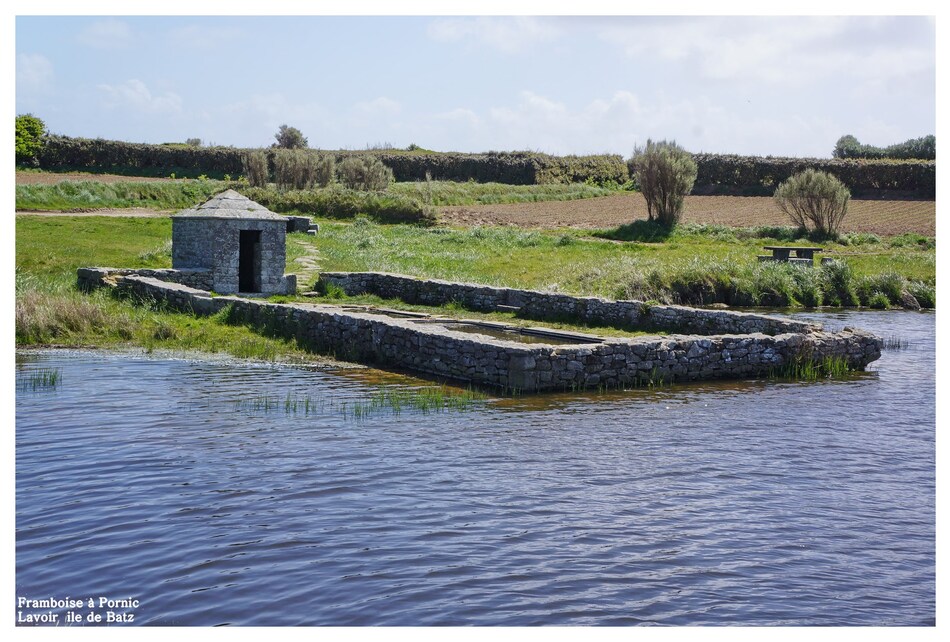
774, 50
460, 115
508, 35
136, 95
379, 106
34, 73
107, 34
617, 123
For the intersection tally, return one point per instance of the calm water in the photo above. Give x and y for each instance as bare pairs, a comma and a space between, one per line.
167, 482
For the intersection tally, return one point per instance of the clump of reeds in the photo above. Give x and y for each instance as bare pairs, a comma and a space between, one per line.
393, 400
805, 369
40, 379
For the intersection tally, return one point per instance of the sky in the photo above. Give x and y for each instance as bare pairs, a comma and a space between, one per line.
767, 85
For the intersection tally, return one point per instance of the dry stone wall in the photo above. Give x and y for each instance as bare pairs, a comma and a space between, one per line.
435, 350
544, 306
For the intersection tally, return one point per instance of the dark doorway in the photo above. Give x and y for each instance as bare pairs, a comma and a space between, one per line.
249, 261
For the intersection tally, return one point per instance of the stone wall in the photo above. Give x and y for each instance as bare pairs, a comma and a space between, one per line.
547, 306
214, 244
431, 349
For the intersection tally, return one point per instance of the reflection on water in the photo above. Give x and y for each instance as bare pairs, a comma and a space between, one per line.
757, 502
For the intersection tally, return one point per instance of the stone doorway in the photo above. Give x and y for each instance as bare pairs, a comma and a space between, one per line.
249, 261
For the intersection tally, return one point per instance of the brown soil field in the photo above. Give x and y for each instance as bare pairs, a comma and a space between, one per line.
882, 217
49, 178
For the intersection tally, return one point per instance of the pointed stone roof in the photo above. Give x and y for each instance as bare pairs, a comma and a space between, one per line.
229, 204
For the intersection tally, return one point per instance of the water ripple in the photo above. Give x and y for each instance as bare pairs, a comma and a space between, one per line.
765, 503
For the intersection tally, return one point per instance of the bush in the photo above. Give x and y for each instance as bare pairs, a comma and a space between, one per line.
337, 202
30, 132
665, 173
365, 173
255, 168
838, 284
290, 138
299, 169
814, 197
925, 294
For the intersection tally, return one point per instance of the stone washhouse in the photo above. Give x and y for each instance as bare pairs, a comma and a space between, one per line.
230, 245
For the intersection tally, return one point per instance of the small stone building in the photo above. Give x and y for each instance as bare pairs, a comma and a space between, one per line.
241, 243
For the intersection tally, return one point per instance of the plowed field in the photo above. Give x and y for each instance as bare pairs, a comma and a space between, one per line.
876, 216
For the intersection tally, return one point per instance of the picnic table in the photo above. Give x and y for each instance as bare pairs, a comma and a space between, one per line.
803, 255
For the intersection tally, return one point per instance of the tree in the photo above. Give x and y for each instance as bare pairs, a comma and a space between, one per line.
30, 131
814, 197
290, 138
666, 173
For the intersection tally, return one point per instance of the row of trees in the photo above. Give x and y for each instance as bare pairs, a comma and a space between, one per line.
666, 173
924, 148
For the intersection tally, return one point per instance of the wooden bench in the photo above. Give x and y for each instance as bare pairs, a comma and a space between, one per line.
783, 253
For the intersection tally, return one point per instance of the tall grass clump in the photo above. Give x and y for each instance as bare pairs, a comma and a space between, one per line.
364, 173
665, 173
255, 168
814, 200
838, 284
301, 169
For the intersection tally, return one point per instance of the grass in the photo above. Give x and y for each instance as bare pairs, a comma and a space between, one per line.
808, 370
691, 266
334, 201
39, 379
389, 399
86, 195
334, 295
442, 193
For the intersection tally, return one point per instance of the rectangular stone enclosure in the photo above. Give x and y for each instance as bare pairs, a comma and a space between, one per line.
241, 244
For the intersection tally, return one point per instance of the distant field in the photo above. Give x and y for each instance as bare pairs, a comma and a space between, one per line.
882, 217
885, 218
49, 178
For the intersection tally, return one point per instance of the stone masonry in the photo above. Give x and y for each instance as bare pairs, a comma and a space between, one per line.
439, 351
237, 241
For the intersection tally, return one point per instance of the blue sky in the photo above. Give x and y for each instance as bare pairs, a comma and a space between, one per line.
746, 85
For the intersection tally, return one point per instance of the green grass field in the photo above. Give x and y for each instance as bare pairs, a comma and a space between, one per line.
694, 265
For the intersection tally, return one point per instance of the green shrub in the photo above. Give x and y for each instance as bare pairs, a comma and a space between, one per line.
339, 202
891, 284
255, 168
859, 238
365, 173
911, 239
879, 301
665, 173
300, 169
838, 284
925, 294
30, 132
814, 197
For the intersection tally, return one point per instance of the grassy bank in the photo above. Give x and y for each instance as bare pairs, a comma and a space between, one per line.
330, 202
50, 311
693, 265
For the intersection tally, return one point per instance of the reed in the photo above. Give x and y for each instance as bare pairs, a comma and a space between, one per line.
426, 399
39, 379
